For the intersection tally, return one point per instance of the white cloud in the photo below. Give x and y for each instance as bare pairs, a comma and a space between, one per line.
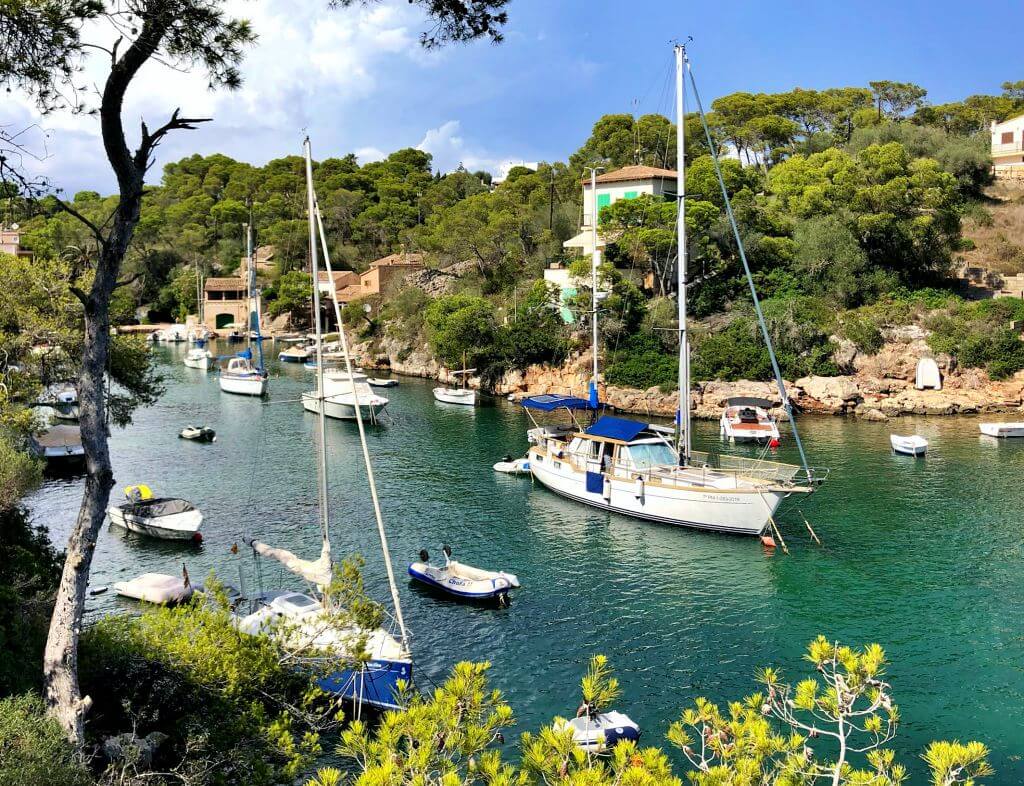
449, 149
367, 154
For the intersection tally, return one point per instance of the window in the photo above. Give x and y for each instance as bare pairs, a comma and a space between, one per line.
649, 455
603, 200
1007, 138
630, 195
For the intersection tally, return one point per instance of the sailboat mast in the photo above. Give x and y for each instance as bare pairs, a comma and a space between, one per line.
248, 285
595, 262
321, 398
378, 515
681, 271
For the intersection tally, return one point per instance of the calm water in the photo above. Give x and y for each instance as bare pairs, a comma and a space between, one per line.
923, 556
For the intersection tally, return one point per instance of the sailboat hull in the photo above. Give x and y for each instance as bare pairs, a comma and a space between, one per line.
732, 511
339, 410
244, 384
375, 685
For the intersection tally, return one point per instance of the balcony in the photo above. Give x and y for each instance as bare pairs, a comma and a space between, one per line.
1008, 148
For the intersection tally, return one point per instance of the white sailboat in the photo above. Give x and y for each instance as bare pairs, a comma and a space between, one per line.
633, 467
338, 396
308, 624
241, 375
460, 395
199, 356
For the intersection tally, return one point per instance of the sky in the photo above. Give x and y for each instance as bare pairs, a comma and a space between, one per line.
356, 80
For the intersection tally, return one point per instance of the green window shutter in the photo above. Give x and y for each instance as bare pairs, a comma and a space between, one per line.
603, 200
631, 195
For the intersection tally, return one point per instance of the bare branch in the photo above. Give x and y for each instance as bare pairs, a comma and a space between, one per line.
130, 280
151, 140
92, 227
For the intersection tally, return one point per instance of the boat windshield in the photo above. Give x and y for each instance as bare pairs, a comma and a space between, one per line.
649, 454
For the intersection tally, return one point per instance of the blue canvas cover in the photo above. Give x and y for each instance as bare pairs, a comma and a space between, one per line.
616, 428
550, 402
595, 483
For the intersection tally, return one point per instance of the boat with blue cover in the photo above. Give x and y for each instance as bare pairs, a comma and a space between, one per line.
647, 470
464, 581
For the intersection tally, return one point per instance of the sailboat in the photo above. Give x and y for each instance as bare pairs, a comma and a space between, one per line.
633, 467
460, 395
312, 624
241, 375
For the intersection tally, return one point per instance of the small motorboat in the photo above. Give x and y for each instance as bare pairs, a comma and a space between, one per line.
199, 357
912, 445
378, 382
510, 466
166, 518
747, 420
156, 588
294, 354
59, 445
1002, 430
198, 434
464, 581
597, 733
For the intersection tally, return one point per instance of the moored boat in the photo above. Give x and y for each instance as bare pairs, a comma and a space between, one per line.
911, 445
342, 392
464, 581
1002, 430
58, 445
199, 357
294, 354
598, 733
167, 518
747, 419
380, 382
240, 376
158, 588
198, 434
510, 466
465, 396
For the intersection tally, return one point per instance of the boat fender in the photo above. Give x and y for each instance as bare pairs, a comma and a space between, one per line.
768, 541
638, 488
606, 492
424, 556
774, 444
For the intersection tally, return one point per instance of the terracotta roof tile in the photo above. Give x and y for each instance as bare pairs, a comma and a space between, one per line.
223, 284
633, 173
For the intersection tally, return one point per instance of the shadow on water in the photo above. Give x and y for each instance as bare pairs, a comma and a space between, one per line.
923, 556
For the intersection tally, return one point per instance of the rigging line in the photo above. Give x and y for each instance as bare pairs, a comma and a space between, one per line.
359, 420
787, 405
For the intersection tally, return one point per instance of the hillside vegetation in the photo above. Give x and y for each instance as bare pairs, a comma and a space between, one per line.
851, 203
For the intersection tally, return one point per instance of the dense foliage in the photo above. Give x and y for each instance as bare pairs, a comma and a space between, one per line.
33, 748
452, 736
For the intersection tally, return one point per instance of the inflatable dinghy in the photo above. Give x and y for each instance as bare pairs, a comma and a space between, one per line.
519, 466
198, 434
600, 732
464, 581
156, 588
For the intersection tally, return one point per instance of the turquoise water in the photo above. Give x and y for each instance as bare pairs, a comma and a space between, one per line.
923, 556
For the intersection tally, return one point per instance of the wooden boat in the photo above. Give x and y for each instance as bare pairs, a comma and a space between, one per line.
464, 581
912, 445
167, 518
455, 396
1002, 430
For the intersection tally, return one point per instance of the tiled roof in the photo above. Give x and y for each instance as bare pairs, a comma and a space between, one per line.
634, 173
398, 259
351, 292
340, 277
223, 284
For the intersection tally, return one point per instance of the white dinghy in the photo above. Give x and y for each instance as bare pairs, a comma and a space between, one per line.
199, 357
597, 733
381, 382
464, 581
912, 445
1002, 430
510, 466
166, 518
156, 588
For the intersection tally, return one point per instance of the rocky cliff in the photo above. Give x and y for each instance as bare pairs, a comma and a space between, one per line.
878, 387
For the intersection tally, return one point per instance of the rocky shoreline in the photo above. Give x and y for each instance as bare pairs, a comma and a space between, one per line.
878, 387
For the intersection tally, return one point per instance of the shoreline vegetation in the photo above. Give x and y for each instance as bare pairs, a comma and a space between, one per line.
852, 201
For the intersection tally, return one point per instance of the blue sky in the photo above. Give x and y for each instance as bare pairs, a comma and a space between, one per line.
356, 79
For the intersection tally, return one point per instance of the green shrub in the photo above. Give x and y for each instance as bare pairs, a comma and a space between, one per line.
223, 698
461, 327
979, 335
29, 571
864, 333
33, 748
736, 352
641, 362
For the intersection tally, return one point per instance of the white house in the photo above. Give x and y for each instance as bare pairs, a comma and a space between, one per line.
1008, 148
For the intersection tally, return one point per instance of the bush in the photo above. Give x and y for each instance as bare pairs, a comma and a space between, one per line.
461, 327
979, 335
642, 362
863, 332
29, 571
33, 748
736, 352
223, 698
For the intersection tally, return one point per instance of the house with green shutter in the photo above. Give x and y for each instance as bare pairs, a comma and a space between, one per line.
626, 183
